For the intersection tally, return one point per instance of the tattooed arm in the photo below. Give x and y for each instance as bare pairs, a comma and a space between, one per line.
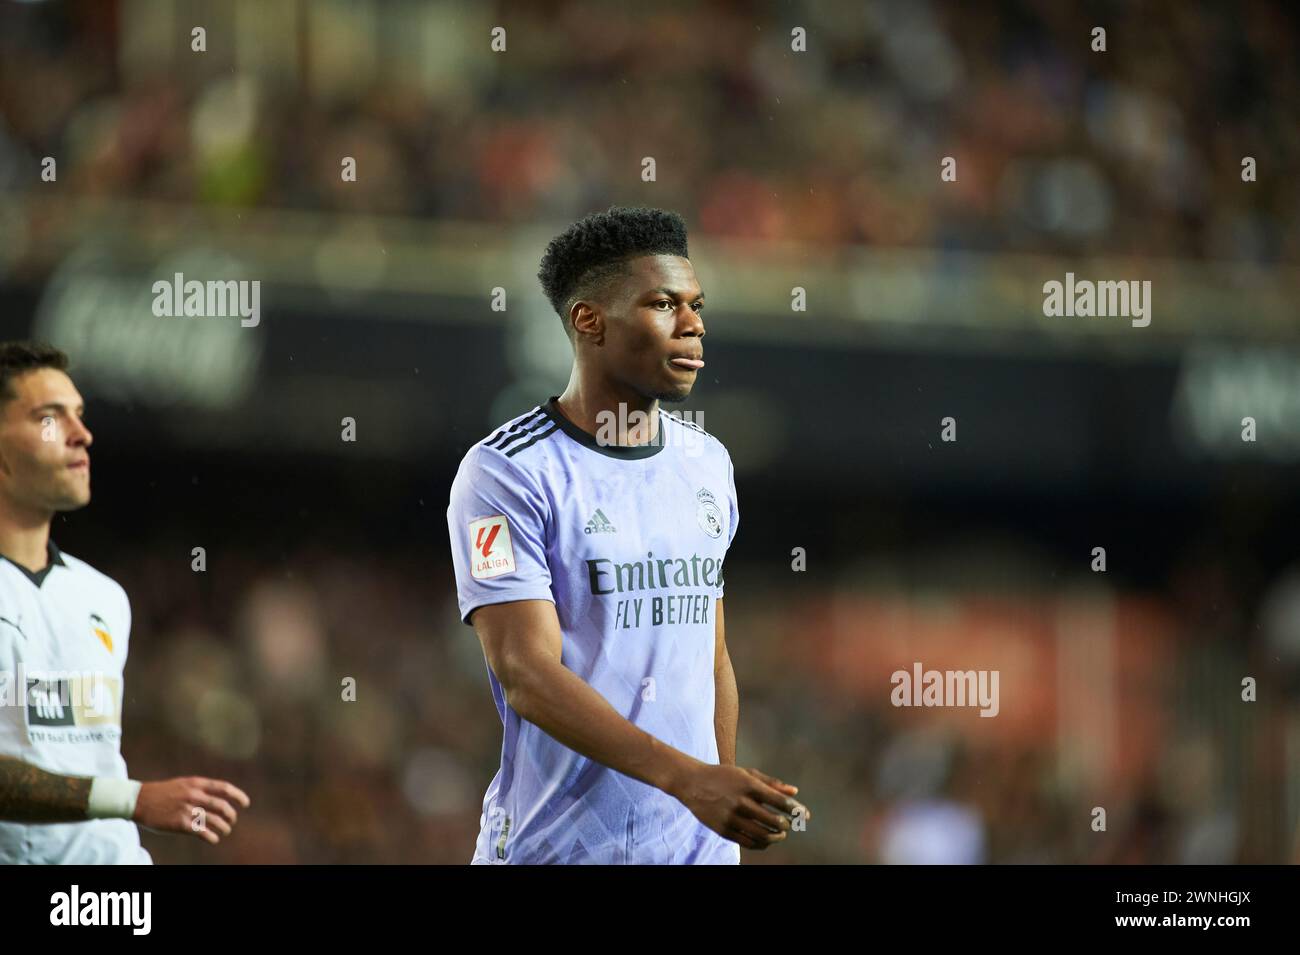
29, 794
196, 805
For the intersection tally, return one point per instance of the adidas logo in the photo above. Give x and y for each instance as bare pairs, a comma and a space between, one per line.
599, 524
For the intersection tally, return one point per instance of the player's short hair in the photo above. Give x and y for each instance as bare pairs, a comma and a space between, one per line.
585, 259
18, 358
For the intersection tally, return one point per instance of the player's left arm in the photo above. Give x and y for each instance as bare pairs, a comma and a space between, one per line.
726, 699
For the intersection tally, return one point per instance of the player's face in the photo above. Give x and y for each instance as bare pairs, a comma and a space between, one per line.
653, 337
44, 461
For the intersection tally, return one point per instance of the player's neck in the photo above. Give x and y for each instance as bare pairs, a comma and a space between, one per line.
595, 409
24, 535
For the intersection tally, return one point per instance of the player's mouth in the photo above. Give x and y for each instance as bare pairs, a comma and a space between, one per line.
690, 364
82, 465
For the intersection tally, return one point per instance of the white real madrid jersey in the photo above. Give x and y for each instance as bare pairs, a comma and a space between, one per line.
63, 645
628, 542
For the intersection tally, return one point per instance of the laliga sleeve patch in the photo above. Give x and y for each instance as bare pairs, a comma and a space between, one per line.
490, 551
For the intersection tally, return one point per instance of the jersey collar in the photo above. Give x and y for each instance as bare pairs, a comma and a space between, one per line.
624, 451
38, 577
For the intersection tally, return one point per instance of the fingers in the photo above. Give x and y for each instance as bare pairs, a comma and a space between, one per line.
217, 819
214, 820
770, 819
228, 791
217, 800
218, 809
801, 811
773, 781
772, 798
753, 836
764, 794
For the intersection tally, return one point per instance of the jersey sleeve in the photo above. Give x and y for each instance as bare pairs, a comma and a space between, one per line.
497, 521
732, 520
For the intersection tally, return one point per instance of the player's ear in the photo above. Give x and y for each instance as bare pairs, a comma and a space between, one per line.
588, 321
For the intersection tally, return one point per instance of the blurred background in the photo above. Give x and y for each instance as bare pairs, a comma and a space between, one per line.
328, 559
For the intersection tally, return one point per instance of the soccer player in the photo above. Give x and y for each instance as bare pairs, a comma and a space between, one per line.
64, 792
588, 538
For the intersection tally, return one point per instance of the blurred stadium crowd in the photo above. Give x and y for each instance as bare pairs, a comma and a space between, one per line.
239, 673
1134, 151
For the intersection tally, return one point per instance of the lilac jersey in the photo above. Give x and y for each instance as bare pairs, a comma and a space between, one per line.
628, 542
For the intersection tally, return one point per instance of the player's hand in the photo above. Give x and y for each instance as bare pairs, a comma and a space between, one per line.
191, 804
746, 806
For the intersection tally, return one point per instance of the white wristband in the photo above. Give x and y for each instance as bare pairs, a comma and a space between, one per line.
112, 798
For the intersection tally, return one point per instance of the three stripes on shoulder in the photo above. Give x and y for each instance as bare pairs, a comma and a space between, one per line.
536, 425
511, 434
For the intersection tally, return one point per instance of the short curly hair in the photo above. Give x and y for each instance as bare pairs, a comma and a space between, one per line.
18, 358
583, 260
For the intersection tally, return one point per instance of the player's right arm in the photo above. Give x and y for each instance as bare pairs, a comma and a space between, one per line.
29, 794
522, 642
498, 519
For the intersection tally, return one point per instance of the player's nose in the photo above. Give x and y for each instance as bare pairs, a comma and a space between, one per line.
80, 435
692, 324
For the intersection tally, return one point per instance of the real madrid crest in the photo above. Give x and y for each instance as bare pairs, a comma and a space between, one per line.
708, 513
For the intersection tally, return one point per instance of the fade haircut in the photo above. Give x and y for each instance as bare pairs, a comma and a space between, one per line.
587, 259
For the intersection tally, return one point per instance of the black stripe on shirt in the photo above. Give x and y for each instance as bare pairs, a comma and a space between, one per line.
509, 429
534, 440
